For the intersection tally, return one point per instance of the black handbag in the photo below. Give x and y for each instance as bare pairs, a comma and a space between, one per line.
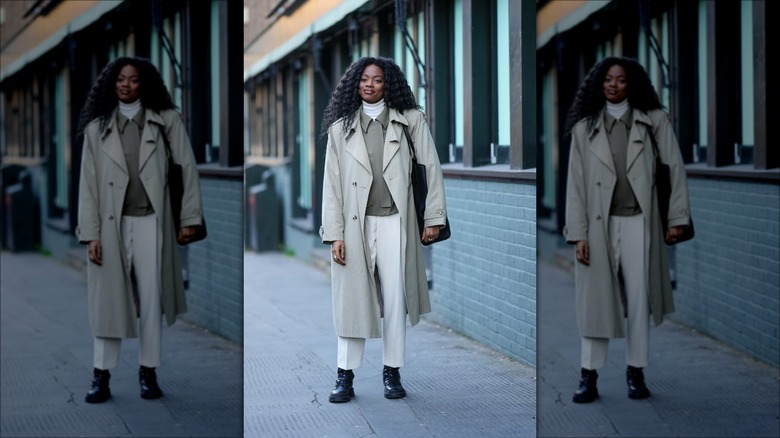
420, 189
663, 188
176, 192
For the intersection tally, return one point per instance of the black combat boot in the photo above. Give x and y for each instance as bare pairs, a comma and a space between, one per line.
636, 383
587, 392
392, 379
148, 380
100, 391
343, 392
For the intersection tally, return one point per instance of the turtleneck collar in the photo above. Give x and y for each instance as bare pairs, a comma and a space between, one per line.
617, 110
373, 110
130, 109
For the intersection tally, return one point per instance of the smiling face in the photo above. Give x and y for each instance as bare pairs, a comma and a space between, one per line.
128, 84
372, 84
615, 84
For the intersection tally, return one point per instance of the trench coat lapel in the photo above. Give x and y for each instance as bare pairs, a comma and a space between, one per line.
356, 145
599, 144
636, 138
396, 123
112, 144
152, 125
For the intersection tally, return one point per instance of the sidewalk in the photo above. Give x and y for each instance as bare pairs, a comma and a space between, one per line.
46, 366
456, 387
700, 388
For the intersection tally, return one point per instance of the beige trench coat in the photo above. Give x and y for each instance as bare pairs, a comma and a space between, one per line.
591, 181
356, 296
104, 179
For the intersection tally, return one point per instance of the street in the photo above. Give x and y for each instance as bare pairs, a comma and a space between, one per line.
46, 366
455, 386
699, 386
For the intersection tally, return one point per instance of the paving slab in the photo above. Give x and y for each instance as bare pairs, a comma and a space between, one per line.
456, 387
699, 386
46, 366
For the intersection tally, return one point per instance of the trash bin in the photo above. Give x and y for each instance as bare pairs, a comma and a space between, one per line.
264, 217
253, 174
10, 175
19, 220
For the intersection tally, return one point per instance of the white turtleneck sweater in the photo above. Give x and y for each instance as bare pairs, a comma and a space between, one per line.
129, 110
373, 110
617, 110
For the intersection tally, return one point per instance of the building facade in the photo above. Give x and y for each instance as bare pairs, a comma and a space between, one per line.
708, 61
52, 52
470, 65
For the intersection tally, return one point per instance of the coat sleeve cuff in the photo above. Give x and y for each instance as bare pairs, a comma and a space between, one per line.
85, 237
574, 236
679, 222
680, 218
191, 222
436, 222
329, 236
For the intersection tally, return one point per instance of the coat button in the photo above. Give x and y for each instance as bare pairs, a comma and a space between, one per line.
598, 183
111, 184
111, 218
354, 183
354, 218
598, 218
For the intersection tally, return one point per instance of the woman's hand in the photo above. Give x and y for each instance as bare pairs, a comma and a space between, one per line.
430, 234
583, 252
185, 233
339, 252
95, 252
673, 233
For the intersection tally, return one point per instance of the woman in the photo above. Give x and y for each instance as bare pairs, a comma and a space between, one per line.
612, 216
368, 216
124, 216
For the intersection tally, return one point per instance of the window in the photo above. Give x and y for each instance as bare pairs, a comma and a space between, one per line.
303, 138
499, 153
166, 54
364, 39
655, 48
61, 140
743, 153
700, 147
403, 54
548, 141
456, 146
484, 126
212, 148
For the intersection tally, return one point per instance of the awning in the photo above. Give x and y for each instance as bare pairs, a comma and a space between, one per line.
316, 25
559, 16
46, 32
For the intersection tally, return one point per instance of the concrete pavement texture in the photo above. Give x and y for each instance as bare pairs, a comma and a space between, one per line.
455, 386
46, 346
699, 387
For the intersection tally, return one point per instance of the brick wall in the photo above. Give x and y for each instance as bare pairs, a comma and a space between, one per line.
216, 265
728, 280
484, 276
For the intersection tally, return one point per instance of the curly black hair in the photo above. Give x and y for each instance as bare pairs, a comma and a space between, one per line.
345, 100
102, 99
590, 98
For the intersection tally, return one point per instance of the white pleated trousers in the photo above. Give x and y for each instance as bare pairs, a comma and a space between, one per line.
383, 236
629, 251
139, 236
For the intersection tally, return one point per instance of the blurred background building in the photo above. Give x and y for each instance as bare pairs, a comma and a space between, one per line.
52, 51
709, 63
471, 66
